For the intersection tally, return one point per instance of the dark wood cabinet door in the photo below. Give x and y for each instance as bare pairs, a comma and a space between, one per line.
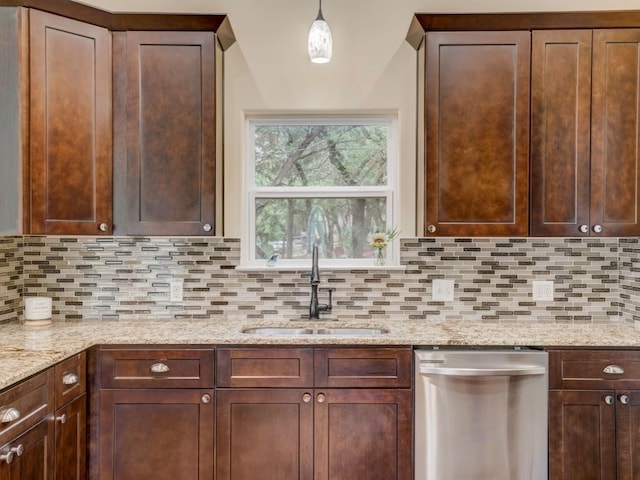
582, 443
265, 434
370, 367
560, 132
264, 367
36, 461
615, 129
167, 169
71, 141
156, 434
71, 440
477, 133
363, 433
628, 434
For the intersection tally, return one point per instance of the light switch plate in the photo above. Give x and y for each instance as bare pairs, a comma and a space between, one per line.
543, 290
442, 290
176, 291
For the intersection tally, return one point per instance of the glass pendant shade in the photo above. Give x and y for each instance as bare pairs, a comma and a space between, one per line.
320, 43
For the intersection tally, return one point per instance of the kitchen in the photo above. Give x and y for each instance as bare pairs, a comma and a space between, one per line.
590, 303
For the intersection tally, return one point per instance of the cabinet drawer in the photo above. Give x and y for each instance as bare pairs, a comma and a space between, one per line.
156, 368
265, 367
594, 369
70, 379
363, 367
23, 406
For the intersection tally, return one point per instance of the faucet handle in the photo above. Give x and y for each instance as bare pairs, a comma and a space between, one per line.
326, 307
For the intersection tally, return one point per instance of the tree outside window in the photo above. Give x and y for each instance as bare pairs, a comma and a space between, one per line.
319, 180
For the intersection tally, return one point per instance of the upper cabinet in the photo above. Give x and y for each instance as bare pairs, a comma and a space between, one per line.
70, 126
584, 164
545, 151
166, 119
477, 132
111, 123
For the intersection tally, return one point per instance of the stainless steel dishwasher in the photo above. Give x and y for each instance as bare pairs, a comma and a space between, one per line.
481, 414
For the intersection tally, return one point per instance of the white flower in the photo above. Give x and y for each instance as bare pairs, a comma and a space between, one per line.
378, 240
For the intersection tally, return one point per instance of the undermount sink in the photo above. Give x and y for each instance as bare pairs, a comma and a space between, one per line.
341, 331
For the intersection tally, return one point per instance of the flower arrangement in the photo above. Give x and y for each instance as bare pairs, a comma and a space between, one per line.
379, 241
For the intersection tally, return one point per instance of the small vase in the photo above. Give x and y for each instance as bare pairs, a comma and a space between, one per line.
380, 257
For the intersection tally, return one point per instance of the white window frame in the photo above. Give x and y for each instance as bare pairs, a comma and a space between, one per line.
253, 192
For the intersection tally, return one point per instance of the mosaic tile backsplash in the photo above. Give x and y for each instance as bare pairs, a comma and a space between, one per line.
11, 263
127, 278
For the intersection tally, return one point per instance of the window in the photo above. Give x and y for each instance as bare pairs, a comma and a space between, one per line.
319, 180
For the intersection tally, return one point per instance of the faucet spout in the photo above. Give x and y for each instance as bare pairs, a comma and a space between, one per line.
314, 306
315, 271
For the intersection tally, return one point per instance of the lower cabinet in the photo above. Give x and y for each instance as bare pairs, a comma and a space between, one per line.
594, 415
264, 433
273, 413
71, 418
32, 454
155, 418
156, 434
322, 434
363, 434
71, 440
314, 430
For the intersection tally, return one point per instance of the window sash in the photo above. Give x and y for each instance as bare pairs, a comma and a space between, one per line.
254, 193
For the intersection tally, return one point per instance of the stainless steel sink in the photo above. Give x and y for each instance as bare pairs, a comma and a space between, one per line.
279, 331
354, 331
340, 331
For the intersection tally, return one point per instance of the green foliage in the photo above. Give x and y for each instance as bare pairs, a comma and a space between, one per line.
319, 156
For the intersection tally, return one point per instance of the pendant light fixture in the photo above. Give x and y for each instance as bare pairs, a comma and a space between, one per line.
320, 43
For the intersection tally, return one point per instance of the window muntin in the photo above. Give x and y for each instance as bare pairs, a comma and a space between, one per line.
328, 180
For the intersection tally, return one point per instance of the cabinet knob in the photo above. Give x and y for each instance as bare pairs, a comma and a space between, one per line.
18, 451
103, 227
597, 228
306, 398
321, 398
70, 379
8, 415
608, 400
206, 398
62, 418
158, 368
584, 228
7, 457
624, 399
431, 229
613, 370
207, 227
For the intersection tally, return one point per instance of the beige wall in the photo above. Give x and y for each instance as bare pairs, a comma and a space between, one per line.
373, 68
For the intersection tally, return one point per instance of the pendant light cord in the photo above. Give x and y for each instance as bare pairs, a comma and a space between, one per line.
320, 17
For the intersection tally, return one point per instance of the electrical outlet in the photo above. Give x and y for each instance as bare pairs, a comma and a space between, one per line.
176, 290
543, 290
442, 290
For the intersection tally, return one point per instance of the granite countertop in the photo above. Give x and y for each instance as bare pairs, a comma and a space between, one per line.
26, 350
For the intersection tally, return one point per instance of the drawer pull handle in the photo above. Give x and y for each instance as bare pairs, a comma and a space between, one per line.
159, 368
70, 379
7, 457
613, 370
306, 398
62, 418
19, 450
625, 400
321, 398
8, 415
206, 398
608, 400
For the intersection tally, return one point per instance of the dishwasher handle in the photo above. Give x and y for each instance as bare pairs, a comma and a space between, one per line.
482, 372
